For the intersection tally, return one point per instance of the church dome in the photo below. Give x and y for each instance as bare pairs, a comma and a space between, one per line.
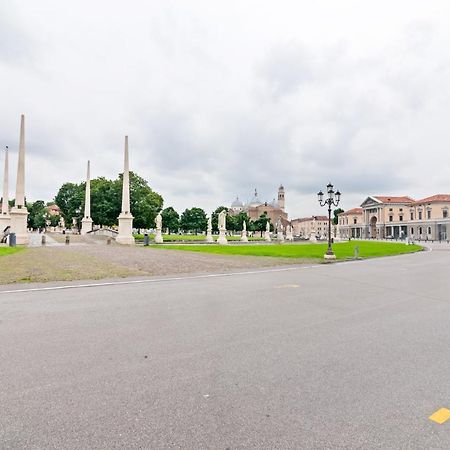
237, 203
255, 201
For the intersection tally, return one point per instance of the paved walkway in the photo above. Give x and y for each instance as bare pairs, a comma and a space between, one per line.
36, 240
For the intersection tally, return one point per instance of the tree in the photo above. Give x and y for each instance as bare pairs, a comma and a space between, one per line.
37, 214
144, 202
335, 213
54, 219
193, 219
261, 223
69, 199
170, 219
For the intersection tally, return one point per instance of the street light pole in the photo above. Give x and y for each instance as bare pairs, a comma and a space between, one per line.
332, 200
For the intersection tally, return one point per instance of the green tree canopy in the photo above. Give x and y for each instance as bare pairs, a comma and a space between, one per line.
335, 214
69, 199
37, 214
106, 201
170, 219
193, 219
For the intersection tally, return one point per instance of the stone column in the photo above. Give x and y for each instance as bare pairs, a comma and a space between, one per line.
125, 235
86, 222
5, 218
19, 212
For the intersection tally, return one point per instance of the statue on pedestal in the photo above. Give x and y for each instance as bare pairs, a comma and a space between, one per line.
222, 227
209, 237
267, 232
158, 223
244, 232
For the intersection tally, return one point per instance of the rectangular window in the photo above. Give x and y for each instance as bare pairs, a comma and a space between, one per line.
420, 215
445, 213
391, 218
429, 230
428, 214
354, 221
401, 218
412, 216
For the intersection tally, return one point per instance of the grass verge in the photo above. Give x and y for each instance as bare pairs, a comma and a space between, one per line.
192, 237
9, 250
342, 250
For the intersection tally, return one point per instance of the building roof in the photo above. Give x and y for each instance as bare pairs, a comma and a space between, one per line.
434, 199
237, 203
255, 200
393, 199
351, 212
308, 219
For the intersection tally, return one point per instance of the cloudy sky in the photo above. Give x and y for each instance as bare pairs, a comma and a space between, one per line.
221, 97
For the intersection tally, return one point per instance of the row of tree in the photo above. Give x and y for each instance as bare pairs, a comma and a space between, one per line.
106, 201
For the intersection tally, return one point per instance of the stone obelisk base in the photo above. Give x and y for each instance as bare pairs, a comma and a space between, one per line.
209, 238
280, 238
267, 236
158, 236
19, 225
244, 237
5, 221
86, 225
222, 238
125, 235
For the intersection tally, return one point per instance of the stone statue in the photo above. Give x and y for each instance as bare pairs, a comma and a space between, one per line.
209, 237
222, 220
267, 232
158, 235
244, 237
222, 227
158, 221
267, 227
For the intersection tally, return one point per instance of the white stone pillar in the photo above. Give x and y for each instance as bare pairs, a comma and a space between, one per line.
19, 212
125, 235
5, 218
86, 222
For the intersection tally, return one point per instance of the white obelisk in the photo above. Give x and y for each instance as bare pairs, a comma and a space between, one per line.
86, 222
5, 218
125, 235
19, 212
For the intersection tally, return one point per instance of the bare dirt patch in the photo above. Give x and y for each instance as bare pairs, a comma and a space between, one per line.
93, 261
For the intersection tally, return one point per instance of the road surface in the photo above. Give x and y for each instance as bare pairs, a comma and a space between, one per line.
343, 356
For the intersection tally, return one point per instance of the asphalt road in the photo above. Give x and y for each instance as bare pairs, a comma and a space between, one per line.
352, 355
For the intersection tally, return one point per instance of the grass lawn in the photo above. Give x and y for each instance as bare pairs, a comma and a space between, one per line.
9, 250
192, 237
342, 250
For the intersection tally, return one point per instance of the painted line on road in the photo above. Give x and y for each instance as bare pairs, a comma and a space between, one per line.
156, 280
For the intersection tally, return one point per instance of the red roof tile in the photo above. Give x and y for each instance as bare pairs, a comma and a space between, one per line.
352, 212
393, 199
435, 198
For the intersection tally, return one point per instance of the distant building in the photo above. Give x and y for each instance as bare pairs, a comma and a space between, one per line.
395, 217
303, 226
53, 210
256, 208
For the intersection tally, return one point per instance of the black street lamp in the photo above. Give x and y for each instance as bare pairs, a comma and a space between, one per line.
332, 200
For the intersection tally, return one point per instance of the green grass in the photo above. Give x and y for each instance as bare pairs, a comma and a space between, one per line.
9, 250
305, 251
192, 237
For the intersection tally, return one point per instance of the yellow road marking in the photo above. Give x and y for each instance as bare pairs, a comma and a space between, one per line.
440, 416
282, 286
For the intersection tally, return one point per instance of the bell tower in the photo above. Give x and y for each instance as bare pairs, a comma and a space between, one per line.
281, 197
